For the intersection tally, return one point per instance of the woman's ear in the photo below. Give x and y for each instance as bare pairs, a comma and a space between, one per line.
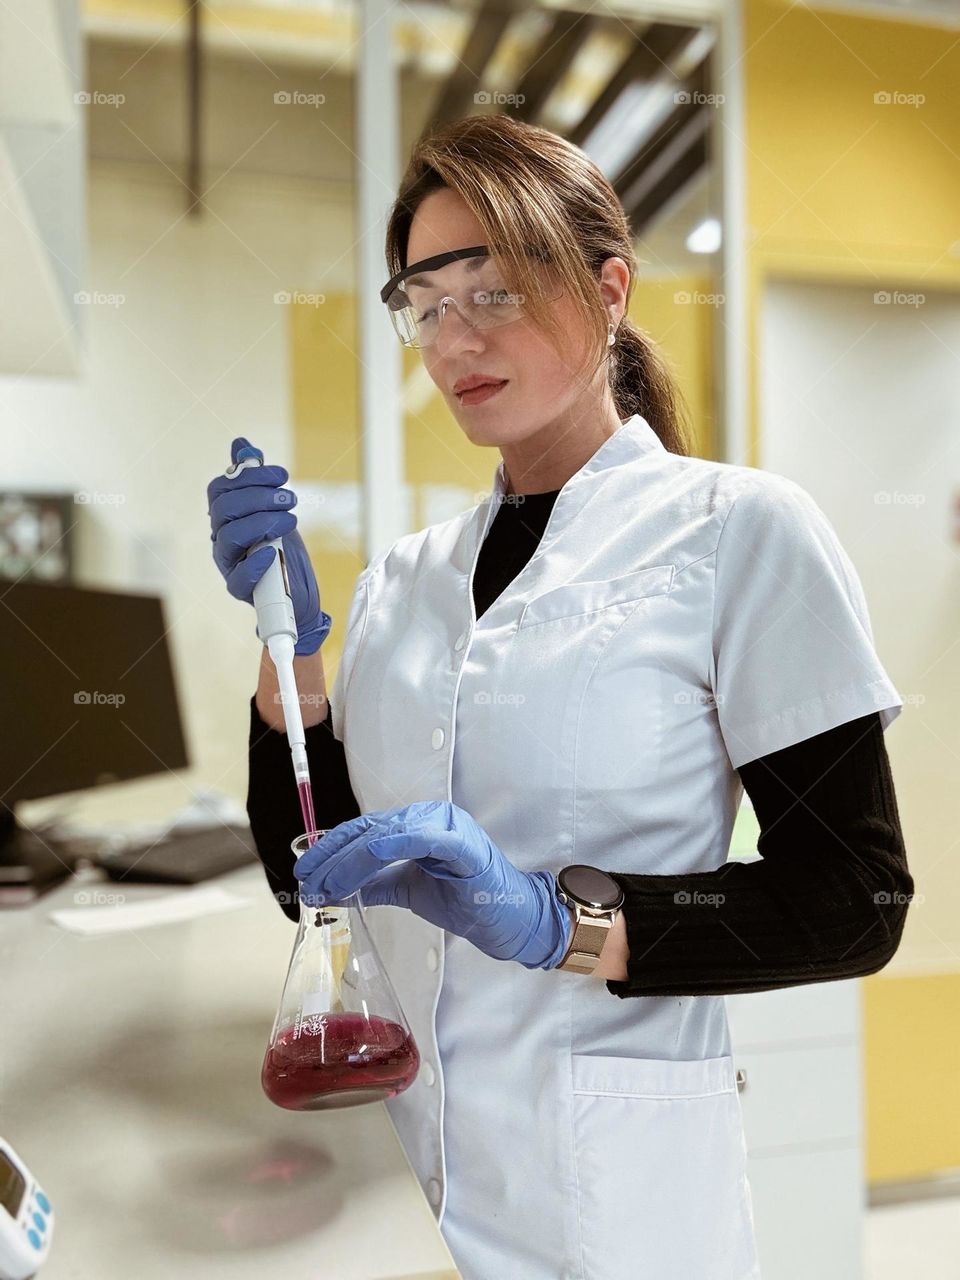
614, 282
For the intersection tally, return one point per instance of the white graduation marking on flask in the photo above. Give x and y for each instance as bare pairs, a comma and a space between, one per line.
318, 1001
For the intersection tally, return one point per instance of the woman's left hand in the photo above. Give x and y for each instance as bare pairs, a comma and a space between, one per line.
449, 872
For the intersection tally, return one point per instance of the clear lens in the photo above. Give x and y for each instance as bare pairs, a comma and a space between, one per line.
477, 288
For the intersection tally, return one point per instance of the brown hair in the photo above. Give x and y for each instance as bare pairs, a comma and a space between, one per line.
530, 188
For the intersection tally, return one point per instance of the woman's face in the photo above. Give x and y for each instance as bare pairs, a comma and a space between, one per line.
542, 385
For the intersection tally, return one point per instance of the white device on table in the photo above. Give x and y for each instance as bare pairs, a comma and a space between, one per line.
277, 628
26, 1218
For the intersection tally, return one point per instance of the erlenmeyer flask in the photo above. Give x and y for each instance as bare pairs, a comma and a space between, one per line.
340, 1037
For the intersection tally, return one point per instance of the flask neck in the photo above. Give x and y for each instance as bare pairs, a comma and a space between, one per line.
330, 912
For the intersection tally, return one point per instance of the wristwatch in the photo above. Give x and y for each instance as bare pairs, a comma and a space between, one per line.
596, 899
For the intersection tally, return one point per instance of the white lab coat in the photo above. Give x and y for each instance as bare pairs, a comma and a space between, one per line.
678, 618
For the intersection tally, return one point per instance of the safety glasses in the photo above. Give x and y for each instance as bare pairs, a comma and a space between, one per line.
418, 296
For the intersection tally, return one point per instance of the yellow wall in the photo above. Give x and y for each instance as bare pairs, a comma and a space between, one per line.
912, 1057
323, 378
838, 187
679, 315
841, 188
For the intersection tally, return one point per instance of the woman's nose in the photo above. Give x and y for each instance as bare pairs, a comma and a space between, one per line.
457, 331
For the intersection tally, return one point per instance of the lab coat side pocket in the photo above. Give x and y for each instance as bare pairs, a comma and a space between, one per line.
660, 1157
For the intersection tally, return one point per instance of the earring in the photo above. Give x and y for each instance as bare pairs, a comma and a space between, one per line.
611, 334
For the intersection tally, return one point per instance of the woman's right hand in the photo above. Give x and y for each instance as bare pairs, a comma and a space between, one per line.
253, 507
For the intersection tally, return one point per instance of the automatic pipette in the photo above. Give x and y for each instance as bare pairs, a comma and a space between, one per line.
277, 628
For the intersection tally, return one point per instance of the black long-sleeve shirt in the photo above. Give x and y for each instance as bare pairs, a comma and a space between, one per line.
826, 900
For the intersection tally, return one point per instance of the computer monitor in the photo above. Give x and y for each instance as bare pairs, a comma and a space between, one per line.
89, 695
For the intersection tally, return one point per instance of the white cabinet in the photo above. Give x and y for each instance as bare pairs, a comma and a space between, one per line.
799, 1049
801, 1096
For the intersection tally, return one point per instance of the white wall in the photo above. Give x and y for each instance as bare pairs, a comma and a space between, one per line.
43, 142
861, 406
196, 353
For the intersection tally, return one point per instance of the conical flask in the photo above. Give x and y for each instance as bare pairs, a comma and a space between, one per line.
340, 1037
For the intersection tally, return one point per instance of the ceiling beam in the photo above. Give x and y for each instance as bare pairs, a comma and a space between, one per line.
658, 47
552, 59
194, 104
688, 168
648, 158
458, 96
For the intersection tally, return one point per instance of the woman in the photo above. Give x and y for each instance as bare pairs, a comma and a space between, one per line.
586, 668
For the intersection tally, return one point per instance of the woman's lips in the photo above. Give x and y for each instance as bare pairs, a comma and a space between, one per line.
477, 395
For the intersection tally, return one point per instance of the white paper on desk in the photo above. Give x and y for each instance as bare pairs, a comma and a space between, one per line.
171, 908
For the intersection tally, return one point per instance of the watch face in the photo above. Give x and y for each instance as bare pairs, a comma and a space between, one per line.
591, 886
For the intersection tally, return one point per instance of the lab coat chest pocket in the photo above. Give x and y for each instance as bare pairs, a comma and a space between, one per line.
623, 716
661, 1187
576, 599
575, 687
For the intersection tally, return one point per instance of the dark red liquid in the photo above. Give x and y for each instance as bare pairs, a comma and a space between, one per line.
306, 808
344, 1058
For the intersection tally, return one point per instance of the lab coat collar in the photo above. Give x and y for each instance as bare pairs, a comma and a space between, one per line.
631, 439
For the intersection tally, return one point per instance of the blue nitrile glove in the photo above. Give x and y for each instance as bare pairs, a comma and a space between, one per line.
250, 508
451, 874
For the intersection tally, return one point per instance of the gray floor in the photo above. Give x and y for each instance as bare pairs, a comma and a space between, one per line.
919, 1239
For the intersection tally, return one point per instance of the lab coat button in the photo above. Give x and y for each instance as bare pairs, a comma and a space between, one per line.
461, 640
429, 1075
433, 1190
437, 739
433, 959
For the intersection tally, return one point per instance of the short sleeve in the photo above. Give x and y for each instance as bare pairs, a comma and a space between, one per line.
356, 621
793, 651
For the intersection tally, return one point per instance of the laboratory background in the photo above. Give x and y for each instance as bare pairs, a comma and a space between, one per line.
192, 226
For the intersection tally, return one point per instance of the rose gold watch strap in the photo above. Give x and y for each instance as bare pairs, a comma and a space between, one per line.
589, 936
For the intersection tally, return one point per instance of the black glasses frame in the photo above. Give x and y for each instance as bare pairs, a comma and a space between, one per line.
426, 264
